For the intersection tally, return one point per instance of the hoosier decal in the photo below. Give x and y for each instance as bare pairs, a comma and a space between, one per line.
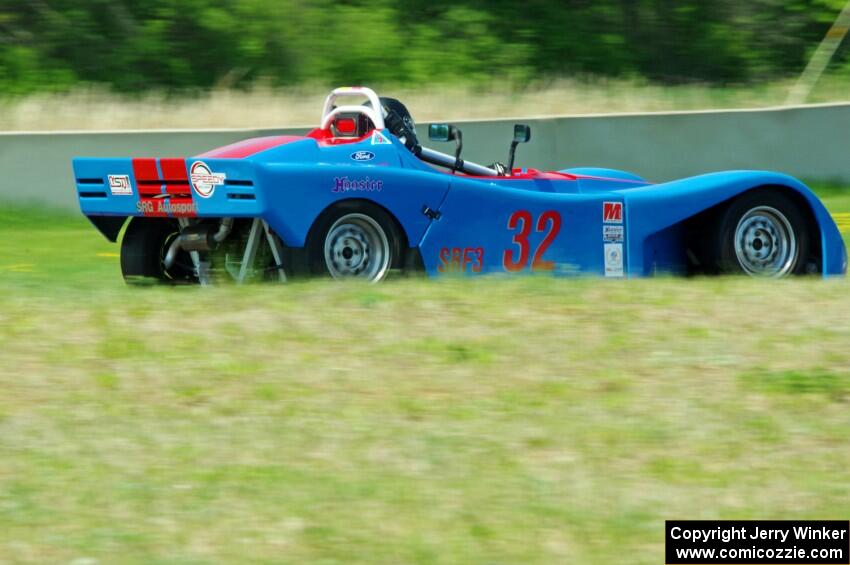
612, 233
343, 184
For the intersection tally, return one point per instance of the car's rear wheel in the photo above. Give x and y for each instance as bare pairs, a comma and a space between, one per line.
355, 241
143, 249
762, 233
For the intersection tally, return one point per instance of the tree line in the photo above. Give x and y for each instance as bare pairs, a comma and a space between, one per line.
179, 45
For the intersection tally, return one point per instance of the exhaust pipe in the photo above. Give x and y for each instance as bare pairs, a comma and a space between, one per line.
197, 238
223, 230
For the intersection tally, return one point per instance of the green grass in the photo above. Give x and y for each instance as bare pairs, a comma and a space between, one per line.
835, 198
45, 249
482, 421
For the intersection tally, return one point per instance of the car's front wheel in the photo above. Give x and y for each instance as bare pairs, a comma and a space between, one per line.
762, 233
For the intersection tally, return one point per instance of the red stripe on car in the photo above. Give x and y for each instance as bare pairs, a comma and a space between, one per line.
149, 185
177, 184
249, 147
175, 176
147, 176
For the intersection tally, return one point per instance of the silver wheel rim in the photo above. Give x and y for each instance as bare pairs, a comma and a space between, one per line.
765, 243
357, 247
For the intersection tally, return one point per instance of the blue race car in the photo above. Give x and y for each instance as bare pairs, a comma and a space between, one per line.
361, 197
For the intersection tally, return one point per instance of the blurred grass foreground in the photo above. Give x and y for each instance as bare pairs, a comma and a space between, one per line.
530, 421
527, 420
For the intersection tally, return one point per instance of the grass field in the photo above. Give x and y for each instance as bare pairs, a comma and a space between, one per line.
266, 107
482, 421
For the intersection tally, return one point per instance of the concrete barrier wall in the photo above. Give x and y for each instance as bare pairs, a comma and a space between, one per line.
811, 142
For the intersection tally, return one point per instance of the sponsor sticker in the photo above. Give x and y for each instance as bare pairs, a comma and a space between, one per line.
162, 206
344, 184
362, 156
120, 185
204, 180
613, 259
613, 233
379, 139
612, 212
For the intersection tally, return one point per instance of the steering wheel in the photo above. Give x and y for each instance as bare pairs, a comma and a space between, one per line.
399, 122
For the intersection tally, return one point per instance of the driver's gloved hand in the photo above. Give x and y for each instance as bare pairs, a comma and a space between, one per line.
500, 169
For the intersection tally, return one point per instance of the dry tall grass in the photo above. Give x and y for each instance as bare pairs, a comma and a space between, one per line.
96, 109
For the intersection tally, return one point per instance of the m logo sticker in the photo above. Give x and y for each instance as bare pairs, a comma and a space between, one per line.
612, 212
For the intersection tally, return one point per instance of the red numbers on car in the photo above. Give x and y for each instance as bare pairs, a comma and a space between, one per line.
551, 219
512, 261
461, 260
522, 222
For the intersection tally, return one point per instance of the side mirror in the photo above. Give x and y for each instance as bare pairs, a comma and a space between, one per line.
522, 134
448, 132
442, 132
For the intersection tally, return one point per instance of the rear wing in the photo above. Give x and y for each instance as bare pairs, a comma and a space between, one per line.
166, 188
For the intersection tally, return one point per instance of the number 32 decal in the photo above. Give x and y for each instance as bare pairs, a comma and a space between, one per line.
522, 222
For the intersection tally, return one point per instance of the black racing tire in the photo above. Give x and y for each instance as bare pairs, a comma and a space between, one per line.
355, 240
762, 232
143, 249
